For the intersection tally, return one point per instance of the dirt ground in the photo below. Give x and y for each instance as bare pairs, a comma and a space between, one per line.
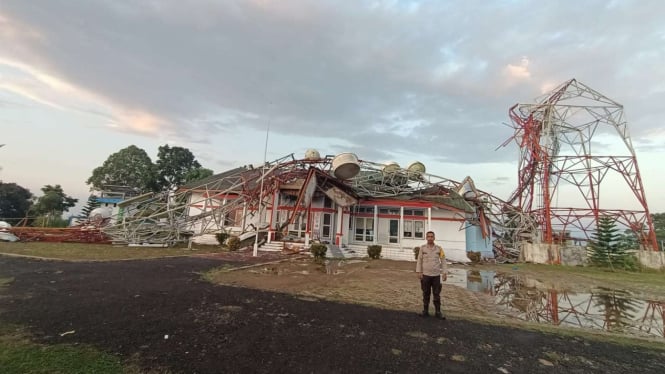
379, 283
164, 316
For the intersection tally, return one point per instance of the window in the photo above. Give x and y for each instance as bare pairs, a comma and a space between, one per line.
233, 218
297, 228
327, 202
391, 211
414, 212
408, 229
414, 229
364, 230
364, 209
287, 199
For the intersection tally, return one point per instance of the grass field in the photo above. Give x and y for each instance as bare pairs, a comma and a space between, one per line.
650, 282
18, 355
98, 252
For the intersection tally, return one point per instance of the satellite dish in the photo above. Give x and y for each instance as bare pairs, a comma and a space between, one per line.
312, 154
390, 167
416, 167
345, 166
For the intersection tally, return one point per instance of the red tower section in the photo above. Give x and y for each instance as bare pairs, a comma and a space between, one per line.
572, 142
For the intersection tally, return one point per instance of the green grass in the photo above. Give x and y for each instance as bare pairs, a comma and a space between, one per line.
18, 355
5, 281
20, 358
646, 280
98, 252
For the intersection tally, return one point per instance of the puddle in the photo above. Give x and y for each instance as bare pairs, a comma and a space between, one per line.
602, 308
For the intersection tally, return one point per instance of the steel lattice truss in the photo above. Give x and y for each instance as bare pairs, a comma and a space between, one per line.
561, 140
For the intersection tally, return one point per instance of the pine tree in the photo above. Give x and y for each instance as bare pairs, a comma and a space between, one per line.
89, 206
604, 249
617, 307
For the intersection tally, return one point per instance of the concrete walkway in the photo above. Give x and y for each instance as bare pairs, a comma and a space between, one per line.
334, 251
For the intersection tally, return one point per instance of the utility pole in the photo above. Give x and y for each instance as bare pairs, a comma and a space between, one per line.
263, 175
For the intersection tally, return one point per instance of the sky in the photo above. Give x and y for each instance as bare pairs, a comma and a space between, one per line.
388, 80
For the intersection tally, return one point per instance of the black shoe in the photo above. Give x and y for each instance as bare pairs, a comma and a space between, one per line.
424, 313
439, 315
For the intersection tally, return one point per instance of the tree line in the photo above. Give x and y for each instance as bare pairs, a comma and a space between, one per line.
130, 167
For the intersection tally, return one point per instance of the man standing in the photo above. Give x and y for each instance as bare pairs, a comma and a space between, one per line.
431, 269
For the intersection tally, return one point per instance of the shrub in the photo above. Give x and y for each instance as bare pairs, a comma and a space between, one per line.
318, 250
475, 257
631, 263
374, 251
49, 221
221, 237
233, 243
416, 250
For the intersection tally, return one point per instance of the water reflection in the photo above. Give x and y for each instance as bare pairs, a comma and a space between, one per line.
530, 300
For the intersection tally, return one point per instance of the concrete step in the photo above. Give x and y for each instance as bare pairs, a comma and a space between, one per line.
272, 247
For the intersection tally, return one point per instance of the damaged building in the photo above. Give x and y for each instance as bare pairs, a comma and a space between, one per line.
338, 200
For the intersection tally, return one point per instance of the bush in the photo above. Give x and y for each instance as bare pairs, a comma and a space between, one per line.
46, 221
416, 250
318, 250
631, 263
374, 251
221, 237
233, 243
475, 257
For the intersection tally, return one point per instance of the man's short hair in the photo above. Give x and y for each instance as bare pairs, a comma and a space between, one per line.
430, 232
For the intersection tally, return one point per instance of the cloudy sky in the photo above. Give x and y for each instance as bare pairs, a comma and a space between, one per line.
388, 80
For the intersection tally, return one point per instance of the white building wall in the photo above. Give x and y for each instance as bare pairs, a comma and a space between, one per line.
199, 204
449, 234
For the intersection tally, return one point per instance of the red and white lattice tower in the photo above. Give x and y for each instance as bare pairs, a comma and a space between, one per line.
573, 141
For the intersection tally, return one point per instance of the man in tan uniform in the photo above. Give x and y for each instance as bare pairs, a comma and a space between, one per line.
431, 269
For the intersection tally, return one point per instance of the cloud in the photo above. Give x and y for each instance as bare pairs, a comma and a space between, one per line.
499, 181
520, 71
381, 77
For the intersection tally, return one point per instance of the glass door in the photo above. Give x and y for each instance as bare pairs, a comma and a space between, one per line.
327, 227
364, 229
393, 234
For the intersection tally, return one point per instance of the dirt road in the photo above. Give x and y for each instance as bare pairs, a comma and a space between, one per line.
163, 315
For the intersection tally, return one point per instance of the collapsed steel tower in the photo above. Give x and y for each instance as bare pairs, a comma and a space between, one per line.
169, 218
571, 140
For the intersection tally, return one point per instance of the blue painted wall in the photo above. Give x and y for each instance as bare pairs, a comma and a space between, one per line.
476, 243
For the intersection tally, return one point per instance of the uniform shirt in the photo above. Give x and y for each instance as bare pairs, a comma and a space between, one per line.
431, 260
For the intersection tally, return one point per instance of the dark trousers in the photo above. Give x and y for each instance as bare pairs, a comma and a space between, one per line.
431, 285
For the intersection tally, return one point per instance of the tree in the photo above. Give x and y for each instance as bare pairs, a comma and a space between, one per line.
659, 226
54, 202
91, 204
618, 308
604, 249
198, 174
174, 165
129, 167
15, 202
628, 240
